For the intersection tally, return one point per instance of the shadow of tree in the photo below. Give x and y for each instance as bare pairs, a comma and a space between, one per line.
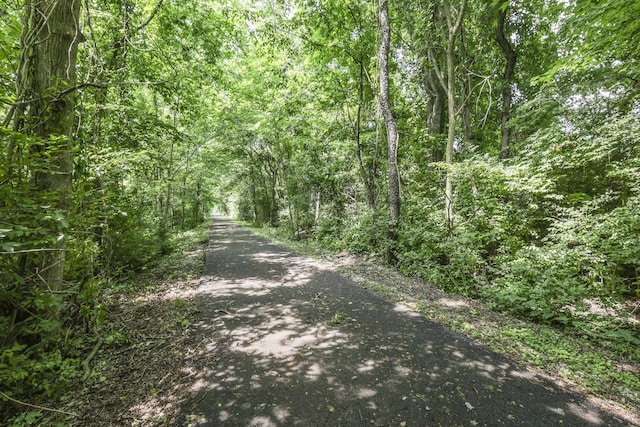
283, 340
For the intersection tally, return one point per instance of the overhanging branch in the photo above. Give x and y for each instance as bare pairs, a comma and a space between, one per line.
102, 85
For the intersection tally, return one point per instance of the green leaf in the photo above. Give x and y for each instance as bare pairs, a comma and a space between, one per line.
9, 246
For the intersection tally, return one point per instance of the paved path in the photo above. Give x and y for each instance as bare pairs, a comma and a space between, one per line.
293, 343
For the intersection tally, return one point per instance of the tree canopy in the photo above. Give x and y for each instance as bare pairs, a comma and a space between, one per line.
515, 136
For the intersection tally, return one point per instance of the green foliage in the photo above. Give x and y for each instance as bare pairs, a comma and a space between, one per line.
32, 362
29, 371
539, 283
544, 347
367, 234
586, 252
338, 319
545, 234
25, 419
499, 210
139, 175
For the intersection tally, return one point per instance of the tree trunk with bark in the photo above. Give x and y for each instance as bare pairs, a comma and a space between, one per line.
46, 86
436, 107
453, 24
392, 130
368, 178
511, 56
387, 114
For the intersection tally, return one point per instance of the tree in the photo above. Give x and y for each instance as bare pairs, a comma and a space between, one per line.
342, 43
511, 56
46, 103
453, 21
389, 120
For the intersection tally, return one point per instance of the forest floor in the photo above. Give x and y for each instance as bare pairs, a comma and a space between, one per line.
267, 338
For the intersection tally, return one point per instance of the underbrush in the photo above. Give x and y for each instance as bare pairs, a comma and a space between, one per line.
46, 354
185, 261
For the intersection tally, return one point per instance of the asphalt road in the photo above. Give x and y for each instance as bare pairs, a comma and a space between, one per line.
293, 343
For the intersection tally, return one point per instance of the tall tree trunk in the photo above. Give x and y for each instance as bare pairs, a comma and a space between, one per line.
453, 25
387, 114
254, 195
392, 130
196, 205
316, 217
48, 60
435, 84
367, 177
183, 193
437, 97
512, 57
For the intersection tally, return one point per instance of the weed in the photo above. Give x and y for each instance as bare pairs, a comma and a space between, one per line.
338, 318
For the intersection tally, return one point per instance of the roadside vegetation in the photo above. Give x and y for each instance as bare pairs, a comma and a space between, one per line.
52, 382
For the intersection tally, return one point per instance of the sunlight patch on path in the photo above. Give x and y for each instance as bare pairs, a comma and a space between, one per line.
289, 342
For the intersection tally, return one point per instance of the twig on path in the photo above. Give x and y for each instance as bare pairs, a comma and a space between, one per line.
200, 398
85, 362
163, 379
198, 346
37, 406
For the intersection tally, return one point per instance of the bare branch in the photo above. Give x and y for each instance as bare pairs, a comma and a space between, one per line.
102, 85
154, 12
19, 402
30, 250
436, 68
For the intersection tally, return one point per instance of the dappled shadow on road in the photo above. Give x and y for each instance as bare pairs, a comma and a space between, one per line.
283, 340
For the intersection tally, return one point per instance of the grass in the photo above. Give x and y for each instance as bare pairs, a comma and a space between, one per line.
304, 247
